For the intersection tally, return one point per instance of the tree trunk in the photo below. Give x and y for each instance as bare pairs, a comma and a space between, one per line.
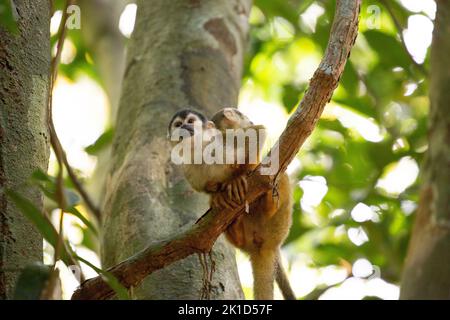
182, 53
427, 270
24, 142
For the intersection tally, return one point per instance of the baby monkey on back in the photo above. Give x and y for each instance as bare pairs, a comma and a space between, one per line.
262, 230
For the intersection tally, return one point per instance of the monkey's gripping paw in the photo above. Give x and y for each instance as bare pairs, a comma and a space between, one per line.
232, 194
221, 200
236, 189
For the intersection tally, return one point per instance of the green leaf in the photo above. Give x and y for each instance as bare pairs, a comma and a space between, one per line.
401, 13
350, 80
40, 175
101, 143
278, 8
72, 198
48, 185
362, 104
292, 95
390, 51
74, 211
305, 4
32, 282
8, 16
41, 222
385, 84
90, 240
119, 289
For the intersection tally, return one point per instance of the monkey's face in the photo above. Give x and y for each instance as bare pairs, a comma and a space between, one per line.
187, 123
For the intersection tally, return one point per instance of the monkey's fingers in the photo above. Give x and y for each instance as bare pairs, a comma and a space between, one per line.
217, 202
232, 203
221, 201
239, 186
230, 191
243, 187
236, 192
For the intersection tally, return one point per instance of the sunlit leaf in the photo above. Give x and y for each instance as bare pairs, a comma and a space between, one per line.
119, 289
101, 143
86, 221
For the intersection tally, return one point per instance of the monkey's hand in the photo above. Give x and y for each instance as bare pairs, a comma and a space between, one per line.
221, 200
236, 189
232, 193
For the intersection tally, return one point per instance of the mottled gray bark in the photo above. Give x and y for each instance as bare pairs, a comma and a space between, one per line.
24, 141
427, 270
182, 53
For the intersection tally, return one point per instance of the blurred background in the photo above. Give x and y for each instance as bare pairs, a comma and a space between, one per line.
357, 177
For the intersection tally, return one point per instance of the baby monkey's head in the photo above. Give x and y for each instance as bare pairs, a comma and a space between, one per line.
230, 118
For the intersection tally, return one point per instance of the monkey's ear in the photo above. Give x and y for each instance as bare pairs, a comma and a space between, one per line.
210, 125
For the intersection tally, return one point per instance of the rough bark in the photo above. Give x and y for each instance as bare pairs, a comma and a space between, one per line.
24, 142
427, 271
182, 53
202, 235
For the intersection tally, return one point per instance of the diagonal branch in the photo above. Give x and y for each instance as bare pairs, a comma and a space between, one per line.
201, 236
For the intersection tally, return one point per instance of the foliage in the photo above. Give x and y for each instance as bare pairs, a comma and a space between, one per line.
381, 90
8, 16
42, 222
32, 282
374, 87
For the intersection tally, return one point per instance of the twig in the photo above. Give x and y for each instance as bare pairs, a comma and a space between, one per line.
60, 197
79, 187
202, 235
59, 152
400, 30
54, 140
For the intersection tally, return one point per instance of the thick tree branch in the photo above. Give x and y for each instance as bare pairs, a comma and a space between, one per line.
202, 236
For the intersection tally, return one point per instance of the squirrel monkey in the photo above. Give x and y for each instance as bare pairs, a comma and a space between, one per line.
262, 230
191, 129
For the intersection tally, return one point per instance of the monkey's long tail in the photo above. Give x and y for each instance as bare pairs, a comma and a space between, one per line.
263, 267
283, 281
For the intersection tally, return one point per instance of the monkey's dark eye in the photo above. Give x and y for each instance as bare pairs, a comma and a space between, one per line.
177, 124
191, 120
